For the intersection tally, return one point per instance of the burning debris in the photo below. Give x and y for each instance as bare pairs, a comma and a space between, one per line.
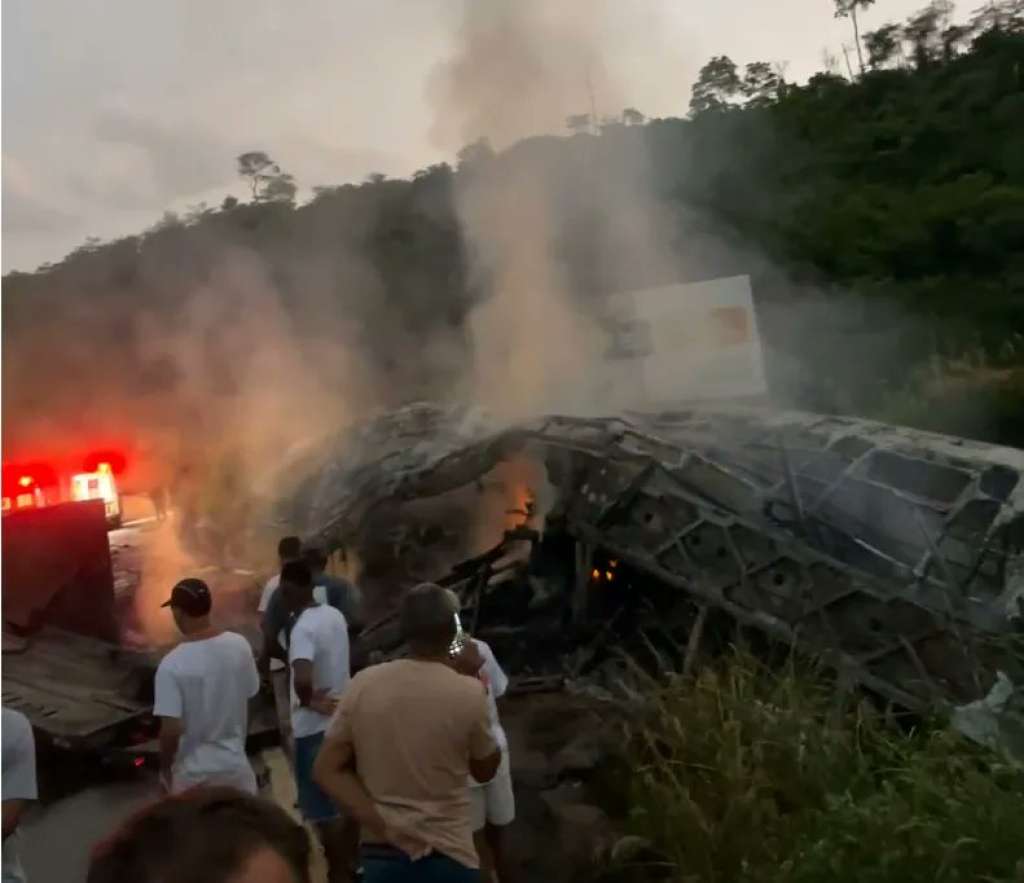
896, 556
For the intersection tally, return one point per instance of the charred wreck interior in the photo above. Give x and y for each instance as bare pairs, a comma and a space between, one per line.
894, 556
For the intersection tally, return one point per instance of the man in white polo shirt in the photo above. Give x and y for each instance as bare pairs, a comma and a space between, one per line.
202, 692
318, 656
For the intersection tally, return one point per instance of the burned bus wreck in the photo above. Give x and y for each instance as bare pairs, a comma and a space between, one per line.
895, 556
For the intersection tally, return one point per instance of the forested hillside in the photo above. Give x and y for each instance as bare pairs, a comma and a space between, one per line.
881, 217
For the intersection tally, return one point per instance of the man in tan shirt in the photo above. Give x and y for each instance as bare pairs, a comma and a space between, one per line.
405, 736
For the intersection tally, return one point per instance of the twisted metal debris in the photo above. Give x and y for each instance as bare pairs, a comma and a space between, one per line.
895, 555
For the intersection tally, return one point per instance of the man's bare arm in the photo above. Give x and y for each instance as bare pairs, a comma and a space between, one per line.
319, 700
170, 739
302, 677
271, 649
334, 771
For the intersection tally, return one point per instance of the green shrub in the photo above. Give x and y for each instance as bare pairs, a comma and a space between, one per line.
976, 395
943, 811
745, 774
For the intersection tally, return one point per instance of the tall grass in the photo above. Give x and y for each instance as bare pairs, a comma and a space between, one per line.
975, 395
749, 774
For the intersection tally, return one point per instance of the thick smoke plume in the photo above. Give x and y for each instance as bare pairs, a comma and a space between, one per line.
205, 398
530, 343
550, 226
521, 69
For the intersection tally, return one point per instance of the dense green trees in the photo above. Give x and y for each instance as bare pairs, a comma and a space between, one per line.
908, 183
882, 220
905, 187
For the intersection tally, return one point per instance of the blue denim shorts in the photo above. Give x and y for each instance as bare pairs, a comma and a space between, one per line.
313, 803
388, 865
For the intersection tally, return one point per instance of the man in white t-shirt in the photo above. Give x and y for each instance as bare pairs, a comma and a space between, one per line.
318, 656
277, 619
18, 784
494, 805
202, 692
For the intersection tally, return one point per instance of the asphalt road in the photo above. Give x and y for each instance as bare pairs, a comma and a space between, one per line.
56, 840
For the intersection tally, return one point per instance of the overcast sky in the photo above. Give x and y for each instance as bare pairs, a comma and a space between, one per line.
116, 110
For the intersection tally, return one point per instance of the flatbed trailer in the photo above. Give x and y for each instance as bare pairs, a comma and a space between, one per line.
79, 693
65, 664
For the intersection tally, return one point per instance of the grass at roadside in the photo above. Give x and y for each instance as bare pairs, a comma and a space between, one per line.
748, 774
967, 397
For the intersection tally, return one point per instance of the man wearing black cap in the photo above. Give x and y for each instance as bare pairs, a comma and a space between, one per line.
202, 693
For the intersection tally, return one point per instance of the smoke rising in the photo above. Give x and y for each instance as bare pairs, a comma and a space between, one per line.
530, 215
206, 378
529, 342
519, 69
164, 562
248, 389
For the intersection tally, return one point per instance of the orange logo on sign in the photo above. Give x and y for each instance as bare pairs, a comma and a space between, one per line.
732, 325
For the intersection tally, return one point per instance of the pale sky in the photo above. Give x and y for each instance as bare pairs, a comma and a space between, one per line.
116, 110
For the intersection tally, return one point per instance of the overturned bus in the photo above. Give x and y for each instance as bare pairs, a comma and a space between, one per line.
895, 556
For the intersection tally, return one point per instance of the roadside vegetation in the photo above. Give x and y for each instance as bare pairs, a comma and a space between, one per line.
746, 773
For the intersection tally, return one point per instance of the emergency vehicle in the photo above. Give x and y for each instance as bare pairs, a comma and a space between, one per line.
37, 485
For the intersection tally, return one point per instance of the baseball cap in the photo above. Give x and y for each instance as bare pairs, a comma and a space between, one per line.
191, 596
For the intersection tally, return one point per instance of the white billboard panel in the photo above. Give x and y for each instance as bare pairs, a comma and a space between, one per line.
682, 342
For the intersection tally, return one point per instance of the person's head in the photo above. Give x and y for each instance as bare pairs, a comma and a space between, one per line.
428, 620
289, 549
296, 585
316, 558
190, 604
205, 835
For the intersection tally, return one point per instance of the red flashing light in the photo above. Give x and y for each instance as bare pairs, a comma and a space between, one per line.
27, 477
105, 461
139, 762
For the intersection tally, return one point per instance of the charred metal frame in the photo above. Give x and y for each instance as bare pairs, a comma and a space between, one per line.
894, 555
